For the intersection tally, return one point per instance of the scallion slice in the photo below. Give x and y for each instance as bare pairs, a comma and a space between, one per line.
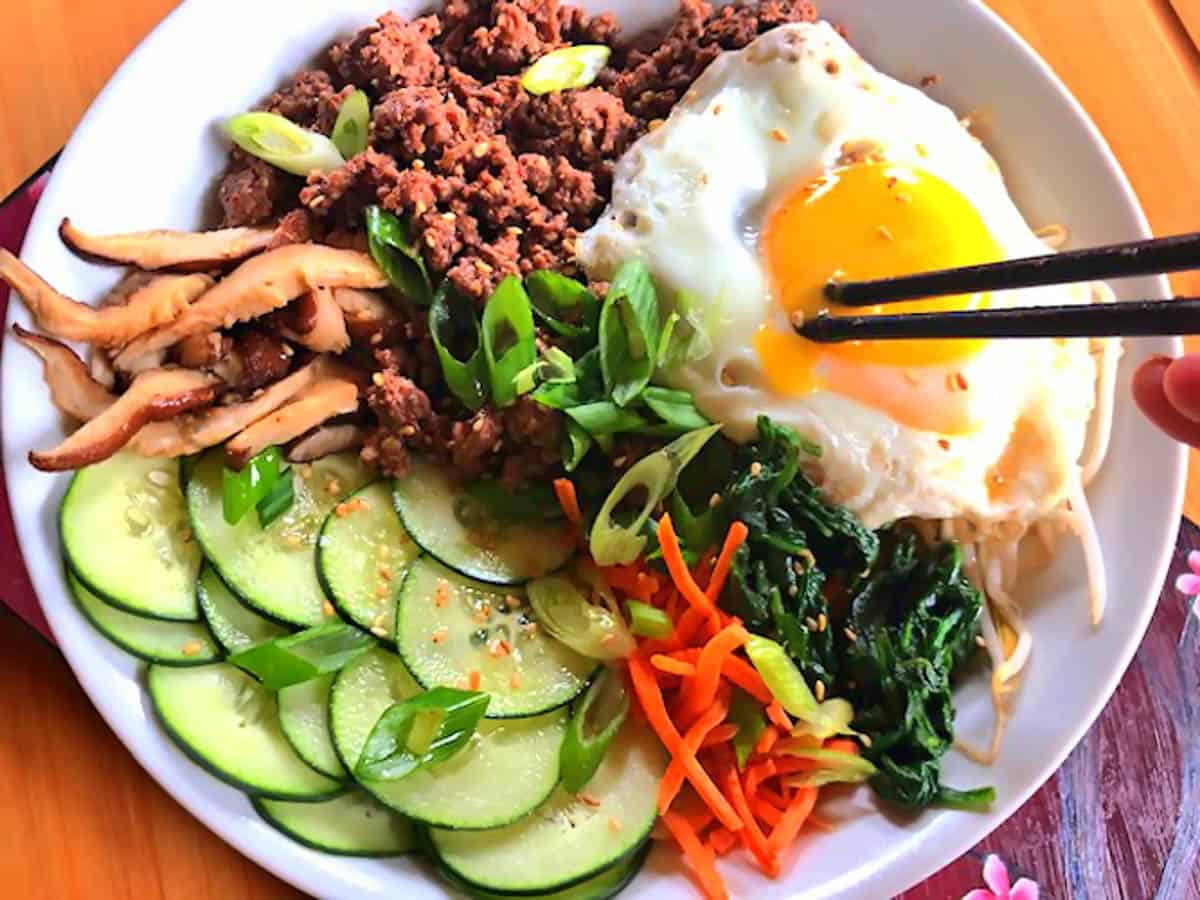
566, 68
278, 499
677, 410
300, 657
747, 714
648, 621
453, 324
595, 723
351, 131
787, 685
568, 616
630, 330
564, 305
284, 144
242, 490
392, 247
612, 543
576, 443
422, 731
830, 765
605, 417
509, 339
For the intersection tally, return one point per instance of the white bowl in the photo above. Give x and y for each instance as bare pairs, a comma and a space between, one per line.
147, 155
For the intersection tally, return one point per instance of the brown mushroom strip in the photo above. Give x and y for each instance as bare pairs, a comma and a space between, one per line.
329, 398
159, 302
319, 324
326, 441
260, 285
72, 388
153, 396
365, 312
191, 434
163, 249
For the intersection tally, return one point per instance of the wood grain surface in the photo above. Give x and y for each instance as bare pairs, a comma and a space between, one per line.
79, 818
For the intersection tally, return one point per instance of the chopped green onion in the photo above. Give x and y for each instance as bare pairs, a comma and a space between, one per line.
278, 500
351, 131
452, 323
284, 144
187, 465
567, 615
295, 658
630, 328
566, 68
605, 417
685, 339
392, 247
835, 765
677, 409
591, 730
576, 444
747, 714
563, 304
648, 621
509, 339
241, 491
787, 685
422, 731
612, 543
695, 531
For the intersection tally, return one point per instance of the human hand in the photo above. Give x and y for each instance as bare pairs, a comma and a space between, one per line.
1168, 392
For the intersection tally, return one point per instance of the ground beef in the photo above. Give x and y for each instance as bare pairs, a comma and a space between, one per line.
391, 54
251, 190
264, 358
294, 227
406, 422
310, 101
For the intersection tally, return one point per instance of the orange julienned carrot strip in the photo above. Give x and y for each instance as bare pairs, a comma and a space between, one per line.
766, 812
680, 574
647, 587
769, 736
733, 541
722, 734
752, 836
758, 772
843, 745
564, 489
701, 691
784, 834
776, 714
671, 666
698, 856
747, 678
672, 781
772, 796
650, 697
721, 840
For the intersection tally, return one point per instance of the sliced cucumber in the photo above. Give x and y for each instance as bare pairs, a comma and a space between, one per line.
233, 625
448, 626
509, 769
353, 824
362, 556
125, 532
604, 886
430, 504
273, 569
571, 840
227, 722
154, 640
304, 718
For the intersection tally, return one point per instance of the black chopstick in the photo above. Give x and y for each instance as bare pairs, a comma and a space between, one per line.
1149, 257
1137, 318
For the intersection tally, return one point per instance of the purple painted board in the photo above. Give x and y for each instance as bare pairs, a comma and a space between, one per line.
1119, 821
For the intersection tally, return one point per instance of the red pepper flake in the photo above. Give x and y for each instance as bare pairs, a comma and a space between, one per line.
943, 443
590, 799
441, 594
960, 380
439, 636
514, 681
499, 648
191, 648
614, 824
474, 679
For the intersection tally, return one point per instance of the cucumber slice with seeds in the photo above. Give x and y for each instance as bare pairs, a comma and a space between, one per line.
508, 770
431, 506
273, 569
227, 722
169, 643
233, 625
362, 555
574, 840
353, 824
304, 718
126, 535
448, 626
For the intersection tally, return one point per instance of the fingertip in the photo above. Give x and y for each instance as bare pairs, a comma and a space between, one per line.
1181, 384
1151, 397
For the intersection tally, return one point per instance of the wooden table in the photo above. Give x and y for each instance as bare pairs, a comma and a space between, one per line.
78, 817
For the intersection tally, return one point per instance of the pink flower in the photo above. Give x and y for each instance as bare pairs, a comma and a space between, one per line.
995, 876
1189, 582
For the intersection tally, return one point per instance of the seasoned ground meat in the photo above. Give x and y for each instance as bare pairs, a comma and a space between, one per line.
491, 180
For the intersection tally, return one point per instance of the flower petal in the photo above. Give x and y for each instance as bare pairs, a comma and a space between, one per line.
979, 894
1024, 889
995, 875
1193, 561
1188, 584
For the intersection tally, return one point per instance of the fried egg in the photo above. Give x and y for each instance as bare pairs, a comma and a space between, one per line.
792, 162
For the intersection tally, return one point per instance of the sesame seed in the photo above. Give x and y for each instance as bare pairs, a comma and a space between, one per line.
327, 609
921, 151
483, 267
158, 478
515, 231
793, 591
851, 634
418, 164
797, 319
717, 109
778, 134
448, 217
293, 540
590, 799
408, 430
191, 648
655, 124
333, 486
822, 622
810, 623
714, 501
979, 641
379, 631
430, 240
377, 379
866, 740
620, 461
420, 208
819, 691
911, 377
755, 469
614, 824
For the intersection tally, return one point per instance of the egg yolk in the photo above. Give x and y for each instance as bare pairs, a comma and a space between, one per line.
865, 221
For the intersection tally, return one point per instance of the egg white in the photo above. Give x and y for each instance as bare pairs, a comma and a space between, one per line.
690, 199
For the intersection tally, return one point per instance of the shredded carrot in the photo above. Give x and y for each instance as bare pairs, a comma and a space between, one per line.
722, 734
700, 692
747, 678
777, 715
672, 666
772, 796
798, 810
699, 857
766, 811
752, 836
564, 489
672, 781
473, 679
673, 557
843, 745
721, 840
758, 772
737, 535
650, 696
647, 587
